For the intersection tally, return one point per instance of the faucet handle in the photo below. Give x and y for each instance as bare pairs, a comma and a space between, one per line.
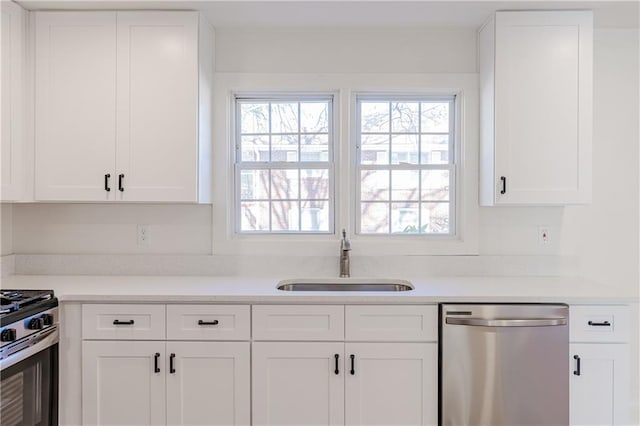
345, 244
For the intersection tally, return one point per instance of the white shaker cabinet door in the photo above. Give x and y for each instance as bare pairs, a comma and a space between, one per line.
121, 385
208, 383
298, 384
12, 139
157, 84
600, 386
75, 128
391, 384
543, 91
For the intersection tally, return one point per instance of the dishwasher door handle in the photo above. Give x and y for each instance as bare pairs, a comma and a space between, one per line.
523, 322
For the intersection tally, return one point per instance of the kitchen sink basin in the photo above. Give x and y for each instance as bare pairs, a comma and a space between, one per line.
345, 284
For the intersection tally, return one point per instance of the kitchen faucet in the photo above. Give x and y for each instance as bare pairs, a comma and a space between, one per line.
345, 248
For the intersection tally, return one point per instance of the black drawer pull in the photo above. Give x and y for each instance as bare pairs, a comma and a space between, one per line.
120, 187
599, 324
172, 369
504, 184
118, 322
577, 370
337, 370
106, 182
201, 322
353, 367
156, 369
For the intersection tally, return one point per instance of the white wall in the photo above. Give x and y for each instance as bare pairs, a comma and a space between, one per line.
603, 235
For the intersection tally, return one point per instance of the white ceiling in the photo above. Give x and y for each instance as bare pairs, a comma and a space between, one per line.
355, 13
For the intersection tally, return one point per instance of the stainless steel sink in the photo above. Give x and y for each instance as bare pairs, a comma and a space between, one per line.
345, 284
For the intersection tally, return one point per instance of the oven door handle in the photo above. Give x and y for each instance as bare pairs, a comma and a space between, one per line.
38, 343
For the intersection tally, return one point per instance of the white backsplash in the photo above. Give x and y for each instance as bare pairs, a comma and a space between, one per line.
294, 266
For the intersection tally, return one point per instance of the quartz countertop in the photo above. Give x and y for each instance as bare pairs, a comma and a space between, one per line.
194, 289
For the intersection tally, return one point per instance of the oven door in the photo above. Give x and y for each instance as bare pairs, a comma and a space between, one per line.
29, 384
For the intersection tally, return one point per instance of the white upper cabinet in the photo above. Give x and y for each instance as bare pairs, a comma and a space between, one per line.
75, 106
123, 106
536, 75
12, 139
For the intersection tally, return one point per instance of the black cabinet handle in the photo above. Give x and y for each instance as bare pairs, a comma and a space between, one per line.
599, 324
106, 182
504, 184
120, 178
118, 322
577, 370
202, 322
337, 370
156, 369
353, 367
172, 368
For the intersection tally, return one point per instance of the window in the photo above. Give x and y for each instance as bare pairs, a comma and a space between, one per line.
284, 164
405, 165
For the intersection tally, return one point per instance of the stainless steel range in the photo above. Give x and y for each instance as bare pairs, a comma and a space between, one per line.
29, 335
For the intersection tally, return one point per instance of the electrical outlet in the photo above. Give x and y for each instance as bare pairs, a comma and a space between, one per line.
143, 235
543, 235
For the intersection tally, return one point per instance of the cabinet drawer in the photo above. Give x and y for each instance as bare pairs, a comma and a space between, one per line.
123, 322
593, 323
308, 322
392, 323
207, 322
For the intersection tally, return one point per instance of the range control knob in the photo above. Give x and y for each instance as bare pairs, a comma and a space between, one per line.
47, 319
35, 324
8, 335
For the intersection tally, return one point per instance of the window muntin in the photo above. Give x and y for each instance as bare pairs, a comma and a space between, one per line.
284, 164
405, 165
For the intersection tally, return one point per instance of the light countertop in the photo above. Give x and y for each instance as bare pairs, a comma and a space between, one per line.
194, 289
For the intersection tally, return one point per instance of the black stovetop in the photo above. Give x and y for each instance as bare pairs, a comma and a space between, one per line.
18, 304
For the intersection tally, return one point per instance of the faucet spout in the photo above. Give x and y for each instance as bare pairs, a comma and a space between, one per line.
345, 248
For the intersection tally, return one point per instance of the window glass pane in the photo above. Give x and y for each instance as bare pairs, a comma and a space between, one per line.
314, 184
405, 117
284, 148
434, 149
254, 118
284, 117
404, 185
314, 216
404, 149
405, 218
284, 184
435, 117
375, 218
254, 184
374, 149
374, 117
314, 147
284, 216
255, 148
374, 185
254, 216
435, 185
314, 117
435, 217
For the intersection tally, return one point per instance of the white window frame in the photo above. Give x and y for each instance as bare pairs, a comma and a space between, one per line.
239, 165
452, 166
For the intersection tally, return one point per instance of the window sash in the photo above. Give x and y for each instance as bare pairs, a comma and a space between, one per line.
451, 165
299, 165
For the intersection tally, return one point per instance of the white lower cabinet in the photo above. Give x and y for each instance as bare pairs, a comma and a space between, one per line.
120, 384
330, 383
298, 383
391, 384
208, 383
599, 387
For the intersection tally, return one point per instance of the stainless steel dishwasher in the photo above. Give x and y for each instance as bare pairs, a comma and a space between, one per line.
504, 365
